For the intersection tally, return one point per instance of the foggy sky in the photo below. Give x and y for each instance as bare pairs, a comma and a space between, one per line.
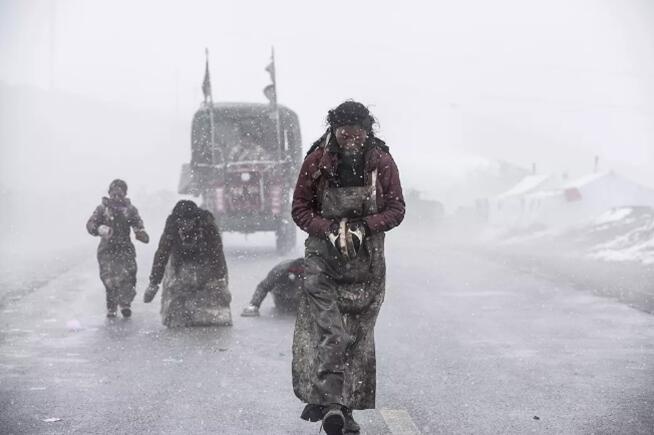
453, 83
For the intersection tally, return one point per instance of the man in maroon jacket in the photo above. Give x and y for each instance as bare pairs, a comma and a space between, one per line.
347, 195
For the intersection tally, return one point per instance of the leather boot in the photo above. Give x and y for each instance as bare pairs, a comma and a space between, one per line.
333, 420
350, 425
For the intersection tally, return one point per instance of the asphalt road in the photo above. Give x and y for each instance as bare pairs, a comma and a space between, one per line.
465, 345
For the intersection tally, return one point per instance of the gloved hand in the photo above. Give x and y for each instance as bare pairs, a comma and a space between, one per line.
105, 231
141, 236
333, 233
357, 231
150, 293
347, 237
250, 311
358, 225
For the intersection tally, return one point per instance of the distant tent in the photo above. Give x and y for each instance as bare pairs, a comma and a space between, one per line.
526, 185
508, 208
592, 195
571, 202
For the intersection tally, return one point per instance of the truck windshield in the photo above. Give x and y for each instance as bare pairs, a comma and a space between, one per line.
245, 139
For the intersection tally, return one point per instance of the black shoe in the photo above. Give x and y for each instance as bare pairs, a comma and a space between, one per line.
350, 426
111, 314
333, 421
312, 413
126, 312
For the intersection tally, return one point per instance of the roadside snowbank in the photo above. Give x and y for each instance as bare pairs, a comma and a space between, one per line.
624, 234
631, 233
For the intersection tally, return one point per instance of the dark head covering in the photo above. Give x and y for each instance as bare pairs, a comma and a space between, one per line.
351, 113
185, 209
118, 183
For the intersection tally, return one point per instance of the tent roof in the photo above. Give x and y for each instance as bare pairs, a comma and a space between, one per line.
586, 179
526, 185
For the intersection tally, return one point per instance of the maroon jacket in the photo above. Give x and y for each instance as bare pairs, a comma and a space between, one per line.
321, 164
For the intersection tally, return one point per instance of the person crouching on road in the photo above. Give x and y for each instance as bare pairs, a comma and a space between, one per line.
112, 221
191, 263
347, 195
284, 282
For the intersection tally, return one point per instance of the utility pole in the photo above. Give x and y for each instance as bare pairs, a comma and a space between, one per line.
596, 164
53, 33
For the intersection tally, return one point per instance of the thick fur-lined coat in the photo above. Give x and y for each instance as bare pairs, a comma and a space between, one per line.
191, 263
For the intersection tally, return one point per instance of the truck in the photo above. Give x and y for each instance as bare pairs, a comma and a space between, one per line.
244, 162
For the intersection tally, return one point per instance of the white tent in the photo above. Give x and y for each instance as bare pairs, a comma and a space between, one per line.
587, 197
574, 201
508, 208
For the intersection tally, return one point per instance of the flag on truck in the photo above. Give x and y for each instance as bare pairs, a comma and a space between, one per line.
270, 91
206, 83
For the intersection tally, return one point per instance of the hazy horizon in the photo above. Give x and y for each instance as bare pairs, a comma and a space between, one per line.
453, 85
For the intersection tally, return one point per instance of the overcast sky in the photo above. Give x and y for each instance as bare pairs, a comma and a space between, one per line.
452, 82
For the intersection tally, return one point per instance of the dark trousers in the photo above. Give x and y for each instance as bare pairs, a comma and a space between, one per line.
118, 274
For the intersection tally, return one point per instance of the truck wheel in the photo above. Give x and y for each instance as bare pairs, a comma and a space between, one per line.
286, 236
216, 220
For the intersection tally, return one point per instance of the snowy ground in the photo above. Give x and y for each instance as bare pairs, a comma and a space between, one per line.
618, 235
610, 255
628, 234
465, 344
24, 271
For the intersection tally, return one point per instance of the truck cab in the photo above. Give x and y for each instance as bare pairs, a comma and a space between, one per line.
244, 163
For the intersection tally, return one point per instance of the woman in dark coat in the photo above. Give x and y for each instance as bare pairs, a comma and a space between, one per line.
191, 262
347, 196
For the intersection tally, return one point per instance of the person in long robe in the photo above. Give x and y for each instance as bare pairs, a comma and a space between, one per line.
191, 263
348, 194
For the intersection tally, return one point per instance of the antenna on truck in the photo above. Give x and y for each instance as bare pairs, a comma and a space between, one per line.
208, 103
270, 92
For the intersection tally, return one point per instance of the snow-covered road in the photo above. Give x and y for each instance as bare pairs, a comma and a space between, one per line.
465, 345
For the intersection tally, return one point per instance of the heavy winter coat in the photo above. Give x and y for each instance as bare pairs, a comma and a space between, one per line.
116, 255
194, 272
321, 165
333, 344
120, 216
284, 282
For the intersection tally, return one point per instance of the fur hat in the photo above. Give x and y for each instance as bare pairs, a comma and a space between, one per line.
351, 113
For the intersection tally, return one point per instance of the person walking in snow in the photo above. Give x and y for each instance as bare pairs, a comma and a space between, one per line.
112, 221
348, 194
